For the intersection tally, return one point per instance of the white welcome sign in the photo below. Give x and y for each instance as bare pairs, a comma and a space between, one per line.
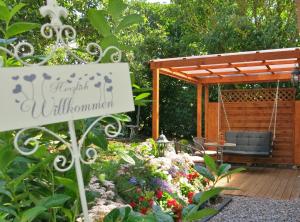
40, 95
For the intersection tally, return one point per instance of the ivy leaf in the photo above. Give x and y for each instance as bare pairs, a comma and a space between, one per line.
116, 8
99, 22
129, 20
4, 13
19, 28
15, 10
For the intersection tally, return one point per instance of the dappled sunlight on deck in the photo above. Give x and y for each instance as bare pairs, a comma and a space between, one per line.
266, 183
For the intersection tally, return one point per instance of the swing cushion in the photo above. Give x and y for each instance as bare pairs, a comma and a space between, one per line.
249, 142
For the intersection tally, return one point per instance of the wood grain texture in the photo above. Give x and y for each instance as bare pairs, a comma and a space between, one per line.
199, 110
212, 122
297, 134
271, 183
255, 116
155, 104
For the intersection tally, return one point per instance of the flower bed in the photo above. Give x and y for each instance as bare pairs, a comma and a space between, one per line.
169, 188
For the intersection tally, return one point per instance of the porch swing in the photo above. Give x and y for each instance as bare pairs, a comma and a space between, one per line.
257, 143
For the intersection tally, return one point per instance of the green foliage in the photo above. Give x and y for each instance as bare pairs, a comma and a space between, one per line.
8, 30
31, 214
98, 21
191, 212
215, 173
116, 8
110, 29
17, 28
202, 27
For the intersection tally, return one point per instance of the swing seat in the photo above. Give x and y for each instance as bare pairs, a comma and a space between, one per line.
249, 142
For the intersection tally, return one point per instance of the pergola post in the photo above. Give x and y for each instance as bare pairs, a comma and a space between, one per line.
206, 109
155, 104
199, 110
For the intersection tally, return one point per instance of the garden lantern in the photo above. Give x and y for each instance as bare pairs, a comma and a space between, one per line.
162, 143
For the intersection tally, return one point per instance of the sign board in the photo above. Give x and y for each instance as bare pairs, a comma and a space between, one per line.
40, 95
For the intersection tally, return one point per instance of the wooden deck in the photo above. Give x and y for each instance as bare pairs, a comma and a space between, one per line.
266, 183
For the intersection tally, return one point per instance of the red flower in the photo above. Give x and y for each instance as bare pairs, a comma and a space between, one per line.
133, 204
143, 210
190, 194
177, 207
190, 197
192, 176
172, 203
159, 194
151, 202
141, 198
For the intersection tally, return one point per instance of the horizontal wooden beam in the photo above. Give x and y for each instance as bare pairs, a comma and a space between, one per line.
179, 76
227, 58
235, 65
247, 79
242, 72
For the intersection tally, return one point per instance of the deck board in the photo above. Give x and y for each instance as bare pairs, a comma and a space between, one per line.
271, 183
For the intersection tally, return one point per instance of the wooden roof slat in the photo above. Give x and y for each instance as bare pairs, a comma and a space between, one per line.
260, 66
179, 76
247, 79
248, 64
227, 58
245, 72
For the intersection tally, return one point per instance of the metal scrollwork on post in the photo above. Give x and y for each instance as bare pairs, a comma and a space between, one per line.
111, 130
63, 36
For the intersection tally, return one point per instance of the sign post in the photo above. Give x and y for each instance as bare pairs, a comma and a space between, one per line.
36, 95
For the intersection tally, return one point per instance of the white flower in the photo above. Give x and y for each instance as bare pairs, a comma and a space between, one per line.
169, 178
184, 180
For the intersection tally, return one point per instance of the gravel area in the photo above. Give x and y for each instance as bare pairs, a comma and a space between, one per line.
248, 209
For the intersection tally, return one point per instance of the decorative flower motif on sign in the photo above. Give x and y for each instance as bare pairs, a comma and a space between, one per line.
30, 78
15, 78
46, 76
17, 89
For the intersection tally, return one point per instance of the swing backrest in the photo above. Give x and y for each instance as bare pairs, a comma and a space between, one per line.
249, 142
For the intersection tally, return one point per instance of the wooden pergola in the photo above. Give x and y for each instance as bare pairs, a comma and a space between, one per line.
229, 68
